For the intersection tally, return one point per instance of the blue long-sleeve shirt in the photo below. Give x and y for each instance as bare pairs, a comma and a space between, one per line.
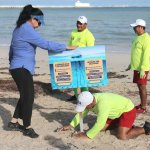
23, 47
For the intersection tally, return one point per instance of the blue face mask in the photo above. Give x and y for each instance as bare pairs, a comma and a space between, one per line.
39, 18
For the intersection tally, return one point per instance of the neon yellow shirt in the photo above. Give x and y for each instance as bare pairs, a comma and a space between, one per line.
108, 105
81, 39
140, 54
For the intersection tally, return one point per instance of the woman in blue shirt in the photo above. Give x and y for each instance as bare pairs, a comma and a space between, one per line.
22, 64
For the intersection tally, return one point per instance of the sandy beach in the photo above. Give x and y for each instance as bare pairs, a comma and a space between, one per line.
51, 110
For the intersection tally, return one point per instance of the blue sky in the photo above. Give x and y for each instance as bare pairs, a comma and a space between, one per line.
71, 2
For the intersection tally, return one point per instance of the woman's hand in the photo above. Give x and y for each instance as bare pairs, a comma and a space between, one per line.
71, 47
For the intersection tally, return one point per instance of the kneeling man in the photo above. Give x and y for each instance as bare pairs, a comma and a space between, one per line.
110, 109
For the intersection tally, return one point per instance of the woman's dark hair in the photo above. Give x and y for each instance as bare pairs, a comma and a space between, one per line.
26, 14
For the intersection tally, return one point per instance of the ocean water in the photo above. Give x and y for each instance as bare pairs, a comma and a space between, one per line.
110, 26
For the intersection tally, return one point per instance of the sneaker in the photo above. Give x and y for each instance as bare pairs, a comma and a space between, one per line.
30, 133
15, 126
72, 98
138, 106
139, 109
147, 127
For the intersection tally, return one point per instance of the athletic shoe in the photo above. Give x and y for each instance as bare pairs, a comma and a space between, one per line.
138, 106
15, 126
139, 109
147, 127
72, 98
30, 133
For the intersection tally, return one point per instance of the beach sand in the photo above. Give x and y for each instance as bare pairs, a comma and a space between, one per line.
51, 110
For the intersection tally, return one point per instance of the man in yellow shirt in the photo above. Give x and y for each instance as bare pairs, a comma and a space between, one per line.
111, 109
140, 62
81, 37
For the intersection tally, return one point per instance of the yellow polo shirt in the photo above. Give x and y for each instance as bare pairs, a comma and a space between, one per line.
140, 55
81, 39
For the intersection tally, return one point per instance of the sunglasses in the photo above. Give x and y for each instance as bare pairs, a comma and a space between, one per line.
39, 23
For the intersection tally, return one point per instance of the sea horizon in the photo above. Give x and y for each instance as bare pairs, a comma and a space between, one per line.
45, 6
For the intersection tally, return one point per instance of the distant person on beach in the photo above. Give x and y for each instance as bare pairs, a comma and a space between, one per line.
112, 110
80, 37
140, 61
22, 52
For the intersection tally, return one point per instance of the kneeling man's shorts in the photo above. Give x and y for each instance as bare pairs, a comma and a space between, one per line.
125, 120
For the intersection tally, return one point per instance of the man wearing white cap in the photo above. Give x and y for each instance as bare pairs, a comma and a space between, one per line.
81, 37
111, 109
140, 62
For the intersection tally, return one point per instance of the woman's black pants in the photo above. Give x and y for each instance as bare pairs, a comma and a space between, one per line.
24, 82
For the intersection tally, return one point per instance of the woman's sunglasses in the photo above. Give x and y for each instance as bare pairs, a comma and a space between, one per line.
39, 23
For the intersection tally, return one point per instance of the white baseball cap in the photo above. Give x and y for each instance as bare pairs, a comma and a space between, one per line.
84, 99
139, 22
82, 19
